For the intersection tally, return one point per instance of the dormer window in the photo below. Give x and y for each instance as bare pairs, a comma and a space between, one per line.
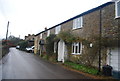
48, 33
78, 23
57, 29
41, 36
117, 6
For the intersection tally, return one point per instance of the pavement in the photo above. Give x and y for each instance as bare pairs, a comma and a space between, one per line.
22, 65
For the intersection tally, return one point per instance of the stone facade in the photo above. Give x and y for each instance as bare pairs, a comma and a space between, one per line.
102, 18
29, 37
67, 26
91, 29
36, 44
52, 31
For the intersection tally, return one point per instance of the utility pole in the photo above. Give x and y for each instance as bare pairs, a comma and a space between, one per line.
7, 30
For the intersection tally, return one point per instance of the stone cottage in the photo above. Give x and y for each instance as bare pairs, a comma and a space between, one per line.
93, 41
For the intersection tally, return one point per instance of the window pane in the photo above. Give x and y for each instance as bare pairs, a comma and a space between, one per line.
75, 23
118, 8
48, 33
79, 47
57, 29
81, 21
72, 48
41, 36
55, 47
76, 48
78, 23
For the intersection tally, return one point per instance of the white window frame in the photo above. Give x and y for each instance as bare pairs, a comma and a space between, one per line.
57, 29
79, 50
41, 36
48, 33
116, 9
55, 47
78, 23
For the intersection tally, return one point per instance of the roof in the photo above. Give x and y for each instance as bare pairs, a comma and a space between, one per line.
82, 14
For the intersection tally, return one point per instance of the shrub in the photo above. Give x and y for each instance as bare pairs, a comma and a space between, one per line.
50, 44
23, 45
5, 50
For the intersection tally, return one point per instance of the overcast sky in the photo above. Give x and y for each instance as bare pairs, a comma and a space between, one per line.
32, 16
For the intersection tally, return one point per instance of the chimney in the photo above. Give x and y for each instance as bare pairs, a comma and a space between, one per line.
28, 34
45, 28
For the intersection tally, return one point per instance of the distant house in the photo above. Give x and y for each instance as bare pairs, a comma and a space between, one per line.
30, 39
98, 29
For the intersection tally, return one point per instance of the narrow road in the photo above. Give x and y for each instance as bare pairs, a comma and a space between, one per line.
21, 65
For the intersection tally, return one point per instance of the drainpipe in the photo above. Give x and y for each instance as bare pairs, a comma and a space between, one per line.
100, 35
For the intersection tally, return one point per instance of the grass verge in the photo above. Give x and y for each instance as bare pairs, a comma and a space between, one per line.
82, 68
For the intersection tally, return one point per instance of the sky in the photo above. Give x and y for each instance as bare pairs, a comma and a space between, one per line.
32, 16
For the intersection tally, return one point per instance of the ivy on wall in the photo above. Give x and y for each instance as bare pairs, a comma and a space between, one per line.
69, 37
50, 44
89, 55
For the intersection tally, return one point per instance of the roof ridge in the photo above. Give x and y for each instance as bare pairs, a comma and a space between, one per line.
84, 13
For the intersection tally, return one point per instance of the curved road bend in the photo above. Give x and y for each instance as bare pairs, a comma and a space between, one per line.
21, 65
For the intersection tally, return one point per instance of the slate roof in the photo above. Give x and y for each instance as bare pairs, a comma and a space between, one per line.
82, 14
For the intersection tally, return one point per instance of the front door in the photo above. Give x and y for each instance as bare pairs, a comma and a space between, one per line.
61, 50
114, 61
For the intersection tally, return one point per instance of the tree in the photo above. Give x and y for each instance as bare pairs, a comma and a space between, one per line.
13, 41
23, 45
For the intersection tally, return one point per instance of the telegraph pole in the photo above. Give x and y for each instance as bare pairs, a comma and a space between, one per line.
7, 30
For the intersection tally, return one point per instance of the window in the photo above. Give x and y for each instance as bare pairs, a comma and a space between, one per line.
77, 48
33, 39
117, 4
55, 47
78, 23
41, 36
57, 29
41, 42
48, 33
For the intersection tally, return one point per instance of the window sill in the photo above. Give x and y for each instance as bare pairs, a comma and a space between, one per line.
117, 17
76, 53
77, 28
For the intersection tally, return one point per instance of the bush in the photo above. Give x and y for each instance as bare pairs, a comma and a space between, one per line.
46, 57
50, 44
5, 50
23, 45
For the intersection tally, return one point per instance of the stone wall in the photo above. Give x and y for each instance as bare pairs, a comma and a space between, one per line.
91, 29
67, 26
36, 44
52, 31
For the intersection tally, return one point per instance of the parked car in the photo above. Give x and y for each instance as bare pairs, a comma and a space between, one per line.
17, 47
30, 49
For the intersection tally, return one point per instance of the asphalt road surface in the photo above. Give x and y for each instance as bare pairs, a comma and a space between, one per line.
21, 65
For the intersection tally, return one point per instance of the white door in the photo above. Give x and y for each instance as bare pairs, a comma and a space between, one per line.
61, 50
114, 59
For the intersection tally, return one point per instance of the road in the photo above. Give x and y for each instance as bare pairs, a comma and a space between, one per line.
21, 65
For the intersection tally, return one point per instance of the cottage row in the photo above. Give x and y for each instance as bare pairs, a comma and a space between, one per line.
90, 38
